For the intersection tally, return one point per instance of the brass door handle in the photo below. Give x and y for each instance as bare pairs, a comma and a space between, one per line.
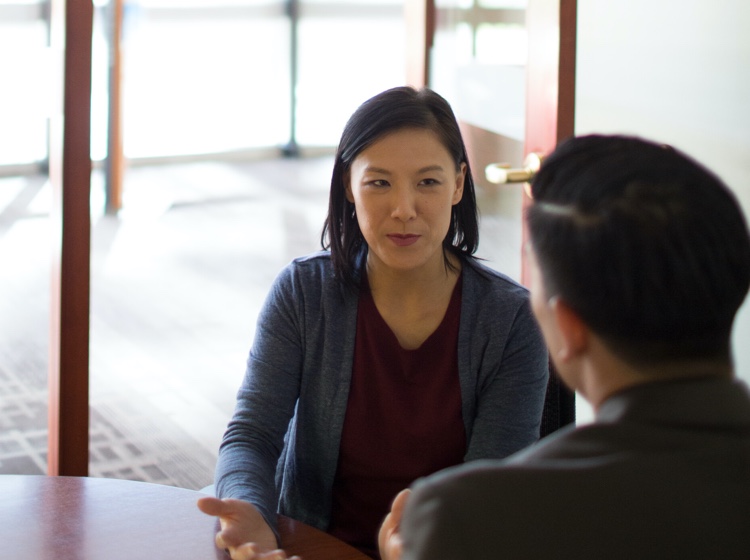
501, 173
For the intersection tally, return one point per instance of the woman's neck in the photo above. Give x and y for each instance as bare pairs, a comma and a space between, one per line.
424, 282
413, 303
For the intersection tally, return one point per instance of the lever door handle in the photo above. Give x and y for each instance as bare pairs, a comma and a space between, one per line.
502, 173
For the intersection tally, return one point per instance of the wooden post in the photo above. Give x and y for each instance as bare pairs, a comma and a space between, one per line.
115, 157
420, 32
70, 175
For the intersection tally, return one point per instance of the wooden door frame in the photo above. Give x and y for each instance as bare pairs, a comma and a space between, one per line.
550, 115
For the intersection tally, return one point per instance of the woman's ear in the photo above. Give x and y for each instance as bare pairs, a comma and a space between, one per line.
573, 332
348, 188
458, 193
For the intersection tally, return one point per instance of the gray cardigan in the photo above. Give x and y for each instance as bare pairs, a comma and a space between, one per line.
280, 449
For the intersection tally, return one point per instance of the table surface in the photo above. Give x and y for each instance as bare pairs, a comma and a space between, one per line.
67, 518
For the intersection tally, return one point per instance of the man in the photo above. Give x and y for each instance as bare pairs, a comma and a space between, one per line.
640, 259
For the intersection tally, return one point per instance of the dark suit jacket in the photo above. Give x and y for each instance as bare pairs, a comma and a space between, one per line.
663, 472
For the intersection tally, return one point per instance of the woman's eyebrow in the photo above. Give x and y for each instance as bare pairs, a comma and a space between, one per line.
431, 168
374, 169
426, 169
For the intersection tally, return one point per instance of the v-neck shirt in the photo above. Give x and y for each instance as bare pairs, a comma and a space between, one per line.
403, 419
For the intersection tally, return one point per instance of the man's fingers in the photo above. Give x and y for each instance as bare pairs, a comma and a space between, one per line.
389, 539
399, 502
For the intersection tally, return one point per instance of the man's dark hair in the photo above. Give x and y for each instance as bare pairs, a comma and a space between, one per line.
649, 247
392, 110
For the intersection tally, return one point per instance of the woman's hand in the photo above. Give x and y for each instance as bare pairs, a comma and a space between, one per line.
244, 533
389, 536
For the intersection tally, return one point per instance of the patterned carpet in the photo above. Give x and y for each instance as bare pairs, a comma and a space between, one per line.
124, 442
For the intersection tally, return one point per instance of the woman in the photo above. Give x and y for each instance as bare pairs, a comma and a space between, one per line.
391, 354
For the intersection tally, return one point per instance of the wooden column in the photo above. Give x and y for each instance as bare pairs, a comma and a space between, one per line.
70, 175
115, 155
420, 30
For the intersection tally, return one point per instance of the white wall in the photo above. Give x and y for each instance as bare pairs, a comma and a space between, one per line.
676, 71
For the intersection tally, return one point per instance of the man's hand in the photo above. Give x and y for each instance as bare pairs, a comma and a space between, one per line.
244, 533
389, 537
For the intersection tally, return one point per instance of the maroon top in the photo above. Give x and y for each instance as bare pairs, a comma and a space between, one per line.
403, 420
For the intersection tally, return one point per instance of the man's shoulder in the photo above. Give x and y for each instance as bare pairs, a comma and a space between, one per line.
594, 455
548, 454
586, 490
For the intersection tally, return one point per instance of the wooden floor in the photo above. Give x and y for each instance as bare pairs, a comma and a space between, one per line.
177, 281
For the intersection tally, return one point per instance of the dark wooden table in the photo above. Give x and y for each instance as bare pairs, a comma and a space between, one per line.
72, 518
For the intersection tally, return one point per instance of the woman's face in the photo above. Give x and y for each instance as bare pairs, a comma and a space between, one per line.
403, 187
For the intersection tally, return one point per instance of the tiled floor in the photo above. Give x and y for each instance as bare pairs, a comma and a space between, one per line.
177, 281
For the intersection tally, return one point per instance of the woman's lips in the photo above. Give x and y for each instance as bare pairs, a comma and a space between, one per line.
403, 240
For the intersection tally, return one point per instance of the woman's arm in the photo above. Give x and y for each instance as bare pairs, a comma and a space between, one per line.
511, 386
254, 438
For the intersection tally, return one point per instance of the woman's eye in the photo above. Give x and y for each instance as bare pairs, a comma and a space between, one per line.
429, 182
379, 183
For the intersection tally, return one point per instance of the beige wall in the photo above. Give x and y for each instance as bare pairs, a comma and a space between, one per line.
676, 71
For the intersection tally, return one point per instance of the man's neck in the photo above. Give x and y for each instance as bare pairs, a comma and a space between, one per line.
605, 374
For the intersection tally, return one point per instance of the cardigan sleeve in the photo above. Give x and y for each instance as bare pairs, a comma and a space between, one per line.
510, 369
266, 400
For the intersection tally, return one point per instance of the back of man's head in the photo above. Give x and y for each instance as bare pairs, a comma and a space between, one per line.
648, 247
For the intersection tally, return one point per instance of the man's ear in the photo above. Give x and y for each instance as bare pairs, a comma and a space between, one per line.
573, 332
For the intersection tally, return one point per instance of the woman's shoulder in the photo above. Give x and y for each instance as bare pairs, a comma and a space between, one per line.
313, 261
308, 284
481, 279
308, 274
312, 265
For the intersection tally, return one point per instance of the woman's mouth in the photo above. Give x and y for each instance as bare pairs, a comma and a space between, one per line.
403, 239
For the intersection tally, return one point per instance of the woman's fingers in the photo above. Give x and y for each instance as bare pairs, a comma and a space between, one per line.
211, 506
244, 533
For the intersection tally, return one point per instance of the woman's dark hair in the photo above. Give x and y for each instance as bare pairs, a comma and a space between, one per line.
389, 111
648, 247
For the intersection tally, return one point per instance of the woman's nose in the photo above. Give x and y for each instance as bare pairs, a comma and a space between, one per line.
404, 204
